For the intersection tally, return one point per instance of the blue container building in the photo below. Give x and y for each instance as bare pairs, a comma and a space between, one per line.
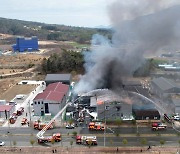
26, 44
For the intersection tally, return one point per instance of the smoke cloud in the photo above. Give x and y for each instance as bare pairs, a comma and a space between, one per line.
140, 26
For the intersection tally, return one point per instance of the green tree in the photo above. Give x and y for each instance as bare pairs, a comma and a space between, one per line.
52, 141
179, 142
118, 122
134, 122
32, 142
14, 143
74, 133
111, 142
90, 143
70, 121
124, 141
143, 141
162, 142
71, 143
117, 134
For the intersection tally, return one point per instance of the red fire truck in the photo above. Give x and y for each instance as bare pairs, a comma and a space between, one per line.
86, 140
56, 137
158, 126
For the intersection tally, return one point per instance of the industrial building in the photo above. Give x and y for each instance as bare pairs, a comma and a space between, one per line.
176, 105
114, 110
52, 78
26, 44
52, 100
110, 108
146, 114
163, 87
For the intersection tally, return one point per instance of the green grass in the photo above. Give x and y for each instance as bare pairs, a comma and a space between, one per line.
77, 45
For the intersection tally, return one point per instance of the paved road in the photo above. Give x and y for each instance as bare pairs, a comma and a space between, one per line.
22, 136
110, 141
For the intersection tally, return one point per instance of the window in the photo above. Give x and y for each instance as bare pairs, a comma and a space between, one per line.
42, 102
38, 102
34, 102
107, 107
118, 108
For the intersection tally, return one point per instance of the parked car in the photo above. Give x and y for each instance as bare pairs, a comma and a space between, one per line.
176, 117
68, 126
2, 143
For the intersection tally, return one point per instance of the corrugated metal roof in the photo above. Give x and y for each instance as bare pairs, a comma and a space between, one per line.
50, 95
176, 102
5, 107
58, 77
55, 92
58, 87
163, 83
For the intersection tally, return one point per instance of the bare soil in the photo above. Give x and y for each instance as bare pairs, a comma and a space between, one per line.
86, 150
8, 71
15, 90
21, 59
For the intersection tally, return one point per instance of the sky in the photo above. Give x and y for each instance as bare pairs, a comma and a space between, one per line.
83, 13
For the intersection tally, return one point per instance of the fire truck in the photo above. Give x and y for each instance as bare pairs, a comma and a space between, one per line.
20, 111
56, 137
24, 121
86, 140
158, 126
40, 126
96, 126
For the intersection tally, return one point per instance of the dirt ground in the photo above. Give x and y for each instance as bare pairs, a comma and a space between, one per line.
91, 150
10, 93
5, 84
21, 59
8, 71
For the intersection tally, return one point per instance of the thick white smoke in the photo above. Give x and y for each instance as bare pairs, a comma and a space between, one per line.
153, 25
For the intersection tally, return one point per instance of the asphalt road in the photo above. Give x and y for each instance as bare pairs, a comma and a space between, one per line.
109, 141
22, 136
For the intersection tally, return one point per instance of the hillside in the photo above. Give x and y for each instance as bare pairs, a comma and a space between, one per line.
50, 31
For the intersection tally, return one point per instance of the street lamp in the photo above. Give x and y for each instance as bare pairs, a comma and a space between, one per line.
29, 113
105, 126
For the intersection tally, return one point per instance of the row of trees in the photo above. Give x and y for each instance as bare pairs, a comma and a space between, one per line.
68, 61
50, 32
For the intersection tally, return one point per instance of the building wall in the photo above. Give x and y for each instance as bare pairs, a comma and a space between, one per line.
9, 113
114, 111
38, 106
54, 107
156, 90
23, 44
163, 94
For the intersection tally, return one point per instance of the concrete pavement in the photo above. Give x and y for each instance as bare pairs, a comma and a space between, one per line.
27, 105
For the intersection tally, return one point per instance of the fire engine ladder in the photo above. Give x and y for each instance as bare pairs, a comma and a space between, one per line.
40, 133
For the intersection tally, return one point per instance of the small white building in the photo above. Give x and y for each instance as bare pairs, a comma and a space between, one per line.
6, 109
52, 100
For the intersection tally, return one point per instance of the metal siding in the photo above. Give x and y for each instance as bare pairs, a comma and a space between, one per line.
23, 44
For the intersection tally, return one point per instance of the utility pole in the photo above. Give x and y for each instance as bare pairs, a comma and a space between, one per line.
105, 126
29, 113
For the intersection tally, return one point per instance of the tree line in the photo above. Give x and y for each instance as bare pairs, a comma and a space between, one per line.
68, 61
50, 32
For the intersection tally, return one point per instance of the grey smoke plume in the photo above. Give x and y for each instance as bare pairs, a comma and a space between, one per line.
151, 25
